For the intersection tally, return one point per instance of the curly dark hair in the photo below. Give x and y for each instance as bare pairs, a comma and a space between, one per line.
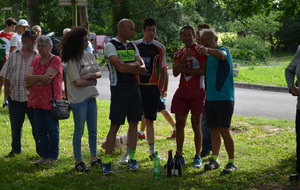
72, 47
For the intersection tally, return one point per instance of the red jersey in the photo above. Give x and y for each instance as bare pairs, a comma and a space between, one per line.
5, 44
186, 80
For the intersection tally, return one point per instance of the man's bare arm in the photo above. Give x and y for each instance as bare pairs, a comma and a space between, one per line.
141, 69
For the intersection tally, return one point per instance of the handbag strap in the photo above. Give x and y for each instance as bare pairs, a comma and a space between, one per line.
52, 81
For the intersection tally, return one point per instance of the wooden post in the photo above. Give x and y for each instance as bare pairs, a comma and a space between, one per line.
74, 13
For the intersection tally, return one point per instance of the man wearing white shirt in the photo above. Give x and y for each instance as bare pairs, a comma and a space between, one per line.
16, 40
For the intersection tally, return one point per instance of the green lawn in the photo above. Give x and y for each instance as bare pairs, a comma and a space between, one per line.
273, 74
265, 155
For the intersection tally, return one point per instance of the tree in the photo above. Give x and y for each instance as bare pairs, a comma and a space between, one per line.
245, 9
259, 25
33, 16
83, 17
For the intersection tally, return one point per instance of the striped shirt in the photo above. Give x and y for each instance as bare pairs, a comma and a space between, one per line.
14, 70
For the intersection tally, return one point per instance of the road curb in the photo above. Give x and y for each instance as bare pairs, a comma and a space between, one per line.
242, 85
261, 87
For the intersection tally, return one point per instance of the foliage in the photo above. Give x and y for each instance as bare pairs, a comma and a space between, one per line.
100, 17
244, 9
220, 15
288, 33
173, 16
259, 18
260, 25
246, 50
269, 143
52, 16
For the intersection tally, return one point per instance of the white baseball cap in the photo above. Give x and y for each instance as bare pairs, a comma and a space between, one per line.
23, 22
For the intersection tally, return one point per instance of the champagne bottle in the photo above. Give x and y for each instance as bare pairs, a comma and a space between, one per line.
156, 169
177, 166
170, 165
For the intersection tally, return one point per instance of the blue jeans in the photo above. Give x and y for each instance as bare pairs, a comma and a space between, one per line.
85, 111
17, 111
206, 143
48, 133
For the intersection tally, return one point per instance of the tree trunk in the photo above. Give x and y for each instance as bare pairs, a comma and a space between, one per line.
120, 11
33, 16
83, 17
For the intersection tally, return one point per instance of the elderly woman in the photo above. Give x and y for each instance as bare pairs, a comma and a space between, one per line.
292, 74
82, 74
45, 71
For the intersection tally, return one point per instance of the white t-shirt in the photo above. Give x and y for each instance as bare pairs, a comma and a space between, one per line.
16, 41
87, 64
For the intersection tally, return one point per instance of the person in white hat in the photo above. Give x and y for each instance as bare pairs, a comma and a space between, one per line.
16, 41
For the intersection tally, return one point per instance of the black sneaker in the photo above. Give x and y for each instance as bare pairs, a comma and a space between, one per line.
81, 167
294, 177
180, 159
10, 155
97, 162
5, 104
204, 153
229, 168
213, 164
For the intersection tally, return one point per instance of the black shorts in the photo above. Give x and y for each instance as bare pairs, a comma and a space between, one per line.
219, 113
161, 105
125, 102
150, 98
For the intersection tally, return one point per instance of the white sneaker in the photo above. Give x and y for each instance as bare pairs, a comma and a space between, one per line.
125, 159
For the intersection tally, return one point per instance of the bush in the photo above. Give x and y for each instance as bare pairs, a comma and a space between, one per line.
247, 50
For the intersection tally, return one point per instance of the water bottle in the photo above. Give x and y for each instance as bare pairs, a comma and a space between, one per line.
156, 169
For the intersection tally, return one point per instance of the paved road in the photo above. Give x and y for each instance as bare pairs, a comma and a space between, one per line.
249, 102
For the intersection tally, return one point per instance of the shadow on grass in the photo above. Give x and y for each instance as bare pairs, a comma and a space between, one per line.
20, 172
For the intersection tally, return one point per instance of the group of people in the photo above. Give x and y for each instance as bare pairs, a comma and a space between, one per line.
33, 78
137, 75
138, 83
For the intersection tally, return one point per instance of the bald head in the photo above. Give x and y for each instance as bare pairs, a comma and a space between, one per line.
66, 30
126, 30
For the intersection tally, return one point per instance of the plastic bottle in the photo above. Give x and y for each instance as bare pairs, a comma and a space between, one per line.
170, 165
156, 169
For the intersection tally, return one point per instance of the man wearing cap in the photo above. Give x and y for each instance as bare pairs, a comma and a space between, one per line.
15, 42
5, 37
13, 72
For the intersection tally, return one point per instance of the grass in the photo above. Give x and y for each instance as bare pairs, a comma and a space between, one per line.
265, 154
273, 74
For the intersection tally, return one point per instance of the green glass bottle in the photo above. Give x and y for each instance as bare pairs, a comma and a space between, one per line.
156, 169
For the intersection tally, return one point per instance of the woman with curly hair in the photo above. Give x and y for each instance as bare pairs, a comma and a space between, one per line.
82, 74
